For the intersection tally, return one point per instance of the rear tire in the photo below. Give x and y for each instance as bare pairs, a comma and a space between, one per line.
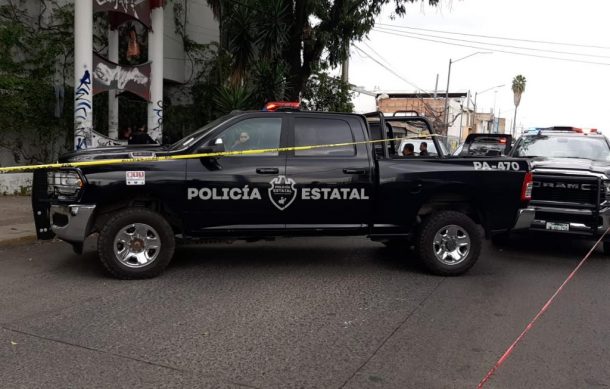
449, 243
136, 243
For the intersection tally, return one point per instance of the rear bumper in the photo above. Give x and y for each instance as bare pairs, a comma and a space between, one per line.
71, 223
525, 218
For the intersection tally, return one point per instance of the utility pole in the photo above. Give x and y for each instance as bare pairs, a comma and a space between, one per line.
113, 101
155, 56
446, 119
83, 74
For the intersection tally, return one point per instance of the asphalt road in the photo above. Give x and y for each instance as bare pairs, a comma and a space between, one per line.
323, 312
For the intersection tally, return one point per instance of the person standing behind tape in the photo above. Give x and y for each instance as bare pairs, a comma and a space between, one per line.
125, 134
141, 137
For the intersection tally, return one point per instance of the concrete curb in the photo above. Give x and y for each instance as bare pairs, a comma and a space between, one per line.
4, 242
17, 233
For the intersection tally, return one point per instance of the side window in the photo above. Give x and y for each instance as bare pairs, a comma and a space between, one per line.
417, 147
314, 131
252, 134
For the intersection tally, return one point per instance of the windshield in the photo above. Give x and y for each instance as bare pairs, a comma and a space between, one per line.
190, 139
564, 147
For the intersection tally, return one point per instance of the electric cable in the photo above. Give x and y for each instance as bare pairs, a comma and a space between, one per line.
495, 44
497, 37
497, 50
392, 71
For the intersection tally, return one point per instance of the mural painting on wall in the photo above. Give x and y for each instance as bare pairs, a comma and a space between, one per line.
111, 76
135, 9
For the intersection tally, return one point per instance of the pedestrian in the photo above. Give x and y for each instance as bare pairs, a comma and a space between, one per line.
141, 137
125, 134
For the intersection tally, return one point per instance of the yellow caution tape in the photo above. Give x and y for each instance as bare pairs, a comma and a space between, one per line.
27, 168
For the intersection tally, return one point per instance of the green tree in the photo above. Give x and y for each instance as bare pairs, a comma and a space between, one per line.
518, 88
326, 93
303, 35
35, 63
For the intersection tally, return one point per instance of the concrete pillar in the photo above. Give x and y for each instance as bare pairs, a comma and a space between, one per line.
83, 73
113, 101
155, 56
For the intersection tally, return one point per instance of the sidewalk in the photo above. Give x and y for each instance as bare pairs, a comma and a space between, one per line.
16, 220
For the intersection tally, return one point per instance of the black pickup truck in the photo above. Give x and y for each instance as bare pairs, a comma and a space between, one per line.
140, 209
571, 169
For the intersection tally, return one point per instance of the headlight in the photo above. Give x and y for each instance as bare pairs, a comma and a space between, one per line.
66, 183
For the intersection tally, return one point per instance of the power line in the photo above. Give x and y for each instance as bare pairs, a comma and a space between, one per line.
495, 44
498, 37
377, 54
494, 49
392, 71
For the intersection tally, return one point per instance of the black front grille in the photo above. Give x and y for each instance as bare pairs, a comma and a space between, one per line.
583, 190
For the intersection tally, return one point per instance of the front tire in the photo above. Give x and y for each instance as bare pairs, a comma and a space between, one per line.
449, 243
136, 243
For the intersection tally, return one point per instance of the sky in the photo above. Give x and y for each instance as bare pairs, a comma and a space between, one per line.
557, 92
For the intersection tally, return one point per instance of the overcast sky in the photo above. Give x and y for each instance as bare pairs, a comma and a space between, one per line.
557, 92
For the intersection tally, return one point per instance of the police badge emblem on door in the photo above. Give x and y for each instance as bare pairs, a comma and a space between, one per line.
282, 192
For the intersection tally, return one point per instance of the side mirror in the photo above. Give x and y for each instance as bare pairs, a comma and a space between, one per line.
217, 147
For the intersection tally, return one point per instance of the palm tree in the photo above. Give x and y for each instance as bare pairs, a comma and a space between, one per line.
518, 89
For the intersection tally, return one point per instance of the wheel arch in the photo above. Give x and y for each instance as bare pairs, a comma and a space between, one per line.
454, 198
105, 211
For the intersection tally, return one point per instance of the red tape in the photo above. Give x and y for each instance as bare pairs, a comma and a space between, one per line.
546, 306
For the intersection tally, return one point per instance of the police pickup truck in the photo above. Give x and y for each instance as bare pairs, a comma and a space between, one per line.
358, 186
571, 168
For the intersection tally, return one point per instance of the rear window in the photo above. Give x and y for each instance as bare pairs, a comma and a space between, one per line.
319, 131
485, 146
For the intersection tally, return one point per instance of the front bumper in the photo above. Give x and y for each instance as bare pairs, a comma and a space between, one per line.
72, 223
580, 221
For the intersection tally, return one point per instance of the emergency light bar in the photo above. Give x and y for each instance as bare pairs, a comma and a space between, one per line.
274, 106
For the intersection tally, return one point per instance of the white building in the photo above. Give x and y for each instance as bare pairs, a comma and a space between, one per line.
199, 26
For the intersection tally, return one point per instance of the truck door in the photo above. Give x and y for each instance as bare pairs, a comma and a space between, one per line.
334, 184
229, 194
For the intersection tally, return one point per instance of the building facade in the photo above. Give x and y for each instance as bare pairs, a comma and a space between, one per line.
191, 18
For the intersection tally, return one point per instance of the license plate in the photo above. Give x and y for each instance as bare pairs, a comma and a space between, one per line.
557, 226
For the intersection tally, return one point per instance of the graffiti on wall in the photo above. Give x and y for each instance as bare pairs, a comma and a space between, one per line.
155, 132
99, 140
82, 138
82, 110
82, 97
111, 76
136, 9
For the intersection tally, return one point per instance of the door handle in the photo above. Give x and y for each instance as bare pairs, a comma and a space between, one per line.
268, 170
354, 171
